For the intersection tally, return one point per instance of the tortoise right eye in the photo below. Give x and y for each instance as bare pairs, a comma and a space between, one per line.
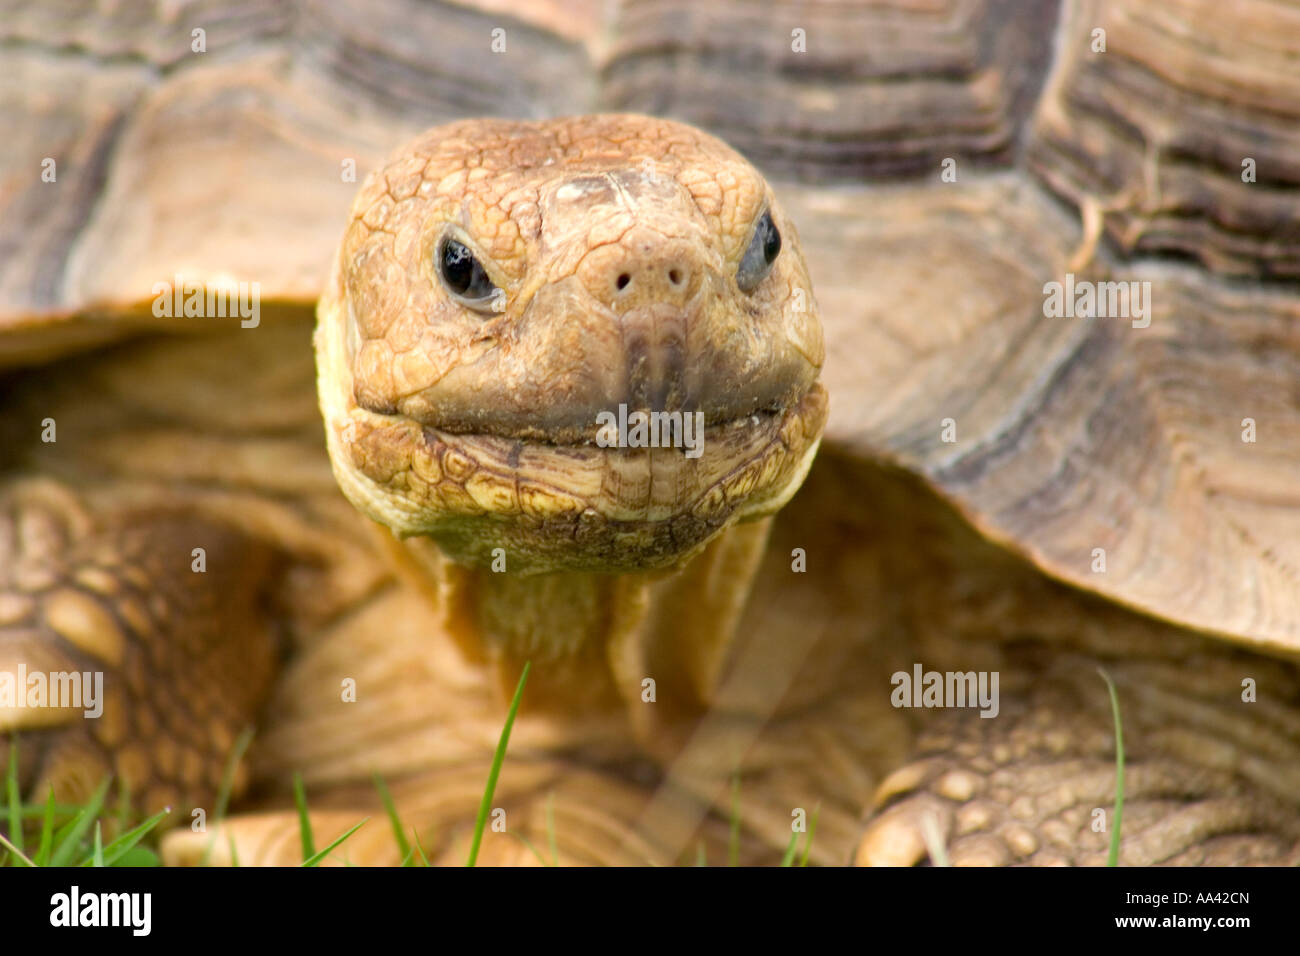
762, 252
464, 276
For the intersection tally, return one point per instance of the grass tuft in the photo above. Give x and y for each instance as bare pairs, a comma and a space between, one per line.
72, 836
68, 837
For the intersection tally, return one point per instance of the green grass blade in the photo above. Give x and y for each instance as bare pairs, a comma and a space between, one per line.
812, 832
15, 799
700, 858
123, 806
47, 831
787, 858
531, 848
403, 844
226, 788
138, 856
1112, 858
234, 854
119, 847
68, 838
315, 858
97, 853
497, 760
304, 821
550, 829
36, 811
424, 860
18, 854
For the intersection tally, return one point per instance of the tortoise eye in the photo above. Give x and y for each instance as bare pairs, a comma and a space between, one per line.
464, 276
762, 252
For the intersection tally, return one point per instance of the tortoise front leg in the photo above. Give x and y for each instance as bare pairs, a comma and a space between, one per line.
163, 616
1209, 778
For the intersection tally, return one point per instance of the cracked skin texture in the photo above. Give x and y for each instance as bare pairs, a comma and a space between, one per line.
615, 241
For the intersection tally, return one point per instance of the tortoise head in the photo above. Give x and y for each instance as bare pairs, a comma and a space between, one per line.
590, 343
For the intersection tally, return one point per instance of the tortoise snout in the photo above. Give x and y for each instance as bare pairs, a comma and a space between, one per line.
644, 269
649, 286
664, 281
654, 343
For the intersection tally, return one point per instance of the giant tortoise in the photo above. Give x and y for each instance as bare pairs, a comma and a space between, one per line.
1026, 271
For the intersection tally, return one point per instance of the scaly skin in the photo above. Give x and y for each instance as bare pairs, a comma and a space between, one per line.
616, 242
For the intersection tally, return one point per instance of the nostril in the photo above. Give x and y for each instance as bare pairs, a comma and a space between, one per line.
675, 276
623, 280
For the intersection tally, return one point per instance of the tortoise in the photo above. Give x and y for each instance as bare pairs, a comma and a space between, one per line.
988, 314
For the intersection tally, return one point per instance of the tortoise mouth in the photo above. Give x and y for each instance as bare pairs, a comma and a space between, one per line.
564, 397
624, 426
545, 506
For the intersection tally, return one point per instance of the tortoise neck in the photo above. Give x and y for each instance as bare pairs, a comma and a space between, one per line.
600, 641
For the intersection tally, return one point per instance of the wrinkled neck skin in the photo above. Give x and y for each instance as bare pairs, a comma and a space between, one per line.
653, 645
